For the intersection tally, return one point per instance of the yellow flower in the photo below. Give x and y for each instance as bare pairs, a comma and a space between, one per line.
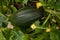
48, 29
38, 4
33, 26
4, 7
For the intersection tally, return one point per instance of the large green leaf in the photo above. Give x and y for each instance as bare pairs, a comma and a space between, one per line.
3, 19
55, 35
18, 35
7, 33
19, 1
57, 5
25, 1
1, 36
13, 8
41, 36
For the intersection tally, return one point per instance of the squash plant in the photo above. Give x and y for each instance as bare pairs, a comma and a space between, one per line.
29, 19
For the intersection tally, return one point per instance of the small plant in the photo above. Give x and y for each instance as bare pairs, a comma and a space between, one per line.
29, 19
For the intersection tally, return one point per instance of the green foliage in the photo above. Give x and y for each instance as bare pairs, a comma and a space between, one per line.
47, 27
25, 1
1, 36
3, 19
